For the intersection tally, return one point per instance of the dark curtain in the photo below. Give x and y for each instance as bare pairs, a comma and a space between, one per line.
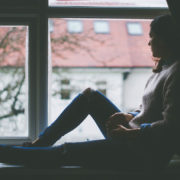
174, 7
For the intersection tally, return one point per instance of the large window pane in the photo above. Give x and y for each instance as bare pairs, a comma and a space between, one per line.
109, 3
13, 99
116, 63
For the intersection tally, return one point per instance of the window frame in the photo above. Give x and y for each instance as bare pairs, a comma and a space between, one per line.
35, 14
30, 22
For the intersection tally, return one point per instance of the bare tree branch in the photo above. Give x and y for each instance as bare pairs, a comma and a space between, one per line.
13, 110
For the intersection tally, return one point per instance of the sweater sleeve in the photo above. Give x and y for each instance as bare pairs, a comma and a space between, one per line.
167, 129
134, 113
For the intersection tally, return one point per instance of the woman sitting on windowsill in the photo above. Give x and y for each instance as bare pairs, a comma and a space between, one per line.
145, 139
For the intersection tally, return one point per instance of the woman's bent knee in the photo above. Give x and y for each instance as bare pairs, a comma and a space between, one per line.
88, 91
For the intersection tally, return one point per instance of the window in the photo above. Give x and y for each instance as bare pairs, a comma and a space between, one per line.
134, 28
65, 89
74, 26
100, 62
101, 27
34, 105
101, 86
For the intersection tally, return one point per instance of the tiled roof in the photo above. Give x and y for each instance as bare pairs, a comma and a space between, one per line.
116, 49
89, 49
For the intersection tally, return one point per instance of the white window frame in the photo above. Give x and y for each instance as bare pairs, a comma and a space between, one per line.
35, 14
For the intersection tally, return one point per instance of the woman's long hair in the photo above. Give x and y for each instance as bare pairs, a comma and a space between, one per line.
168, 32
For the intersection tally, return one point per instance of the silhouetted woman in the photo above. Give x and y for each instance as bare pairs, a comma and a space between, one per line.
144, 139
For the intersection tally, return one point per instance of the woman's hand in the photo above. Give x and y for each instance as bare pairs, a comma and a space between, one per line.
118, 119
117, 132
117, 125
121, 132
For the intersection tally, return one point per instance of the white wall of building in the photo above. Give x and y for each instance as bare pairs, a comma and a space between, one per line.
134, 87
124, 93
80, 79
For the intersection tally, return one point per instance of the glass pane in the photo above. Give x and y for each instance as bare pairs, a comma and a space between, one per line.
109, 3
112, 63
13, 99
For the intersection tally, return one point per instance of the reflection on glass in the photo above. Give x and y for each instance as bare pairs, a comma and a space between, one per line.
109, 3
13, 40
112, 63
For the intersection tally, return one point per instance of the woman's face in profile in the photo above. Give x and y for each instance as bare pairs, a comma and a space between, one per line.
156, 45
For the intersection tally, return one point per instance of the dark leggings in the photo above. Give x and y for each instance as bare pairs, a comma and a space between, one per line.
100, 153
93, 103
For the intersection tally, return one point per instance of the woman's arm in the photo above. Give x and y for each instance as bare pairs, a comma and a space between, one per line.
118, 125
118, 118
123, 132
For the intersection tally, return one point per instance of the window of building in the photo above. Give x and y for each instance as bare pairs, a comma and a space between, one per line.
101, 27
101, 86
74, 26
65, 93
134, 28
65, 89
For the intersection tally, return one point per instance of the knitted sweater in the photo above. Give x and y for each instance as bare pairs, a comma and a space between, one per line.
161, 108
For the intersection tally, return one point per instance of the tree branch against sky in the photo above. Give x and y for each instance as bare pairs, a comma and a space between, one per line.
12, 59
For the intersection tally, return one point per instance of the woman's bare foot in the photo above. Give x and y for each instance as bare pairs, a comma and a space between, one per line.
27, 144
36, 143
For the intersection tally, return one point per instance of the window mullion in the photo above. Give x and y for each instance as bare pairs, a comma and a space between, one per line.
32, 79
42, 74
